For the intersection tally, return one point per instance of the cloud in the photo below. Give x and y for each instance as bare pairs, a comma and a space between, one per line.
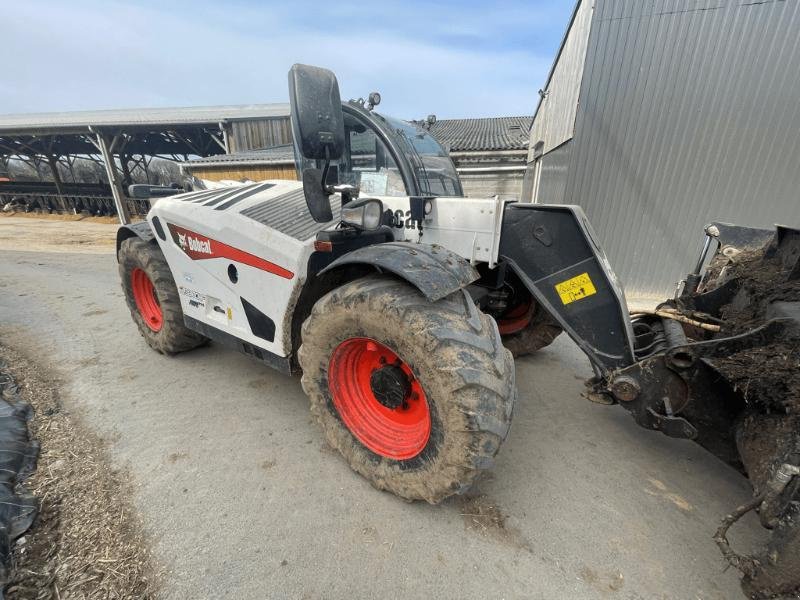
451, 60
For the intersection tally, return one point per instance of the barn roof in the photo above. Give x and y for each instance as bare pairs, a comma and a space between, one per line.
80, 121
277, 155
490, 133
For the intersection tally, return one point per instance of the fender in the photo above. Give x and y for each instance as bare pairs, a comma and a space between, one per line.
141, 230
433, 270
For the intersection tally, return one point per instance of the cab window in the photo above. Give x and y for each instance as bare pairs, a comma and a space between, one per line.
367, 162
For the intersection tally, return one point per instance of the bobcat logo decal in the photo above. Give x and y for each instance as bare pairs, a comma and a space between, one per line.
198, 246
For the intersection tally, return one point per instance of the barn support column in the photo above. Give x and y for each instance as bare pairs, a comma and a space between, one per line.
52, 160
106, 144
226, 136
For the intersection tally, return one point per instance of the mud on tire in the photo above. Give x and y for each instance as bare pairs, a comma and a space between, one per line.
539, 334
454, 352
166, 332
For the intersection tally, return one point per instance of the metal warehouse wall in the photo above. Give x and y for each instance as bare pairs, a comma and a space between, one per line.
554, 123
689, 112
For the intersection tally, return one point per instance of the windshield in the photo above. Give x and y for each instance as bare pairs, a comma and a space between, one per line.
368, 162
432, 166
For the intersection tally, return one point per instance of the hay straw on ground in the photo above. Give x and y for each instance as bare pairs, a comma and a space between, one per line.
87, 542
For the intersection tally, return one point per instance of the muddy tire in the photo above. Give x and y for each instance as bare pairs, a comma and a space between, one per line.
539, 333
153, 298
417, 396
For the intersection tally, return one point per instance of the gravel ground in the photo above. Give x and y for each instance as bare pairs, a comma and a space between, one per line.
241, 498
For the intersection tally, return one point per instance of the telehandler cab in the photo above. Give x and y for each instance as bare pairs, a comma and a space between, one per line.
399, 299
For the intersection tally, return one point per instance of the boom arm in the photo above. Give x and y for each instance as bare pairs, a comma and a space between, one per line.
553, 251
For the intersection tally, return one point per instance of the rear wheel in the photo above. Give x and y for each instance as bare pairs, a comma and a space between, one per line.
417, 396
527, 328
153, 298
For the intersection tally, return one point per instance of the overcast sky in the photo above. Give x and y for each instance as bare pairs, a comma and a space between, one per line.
454, 59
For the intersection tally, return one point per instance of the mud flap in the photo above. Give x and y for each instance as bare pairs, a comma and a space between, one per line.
554, 252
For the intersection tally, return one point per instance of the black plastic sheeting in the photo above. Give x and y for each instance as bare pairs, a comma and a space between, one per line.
18, 454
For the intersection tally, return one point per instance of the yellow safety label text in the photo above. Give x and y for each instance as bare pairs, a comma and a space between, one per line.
577, 288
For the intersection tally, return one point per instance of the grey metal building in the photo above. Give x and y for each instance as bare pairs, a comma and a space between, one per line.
662, 115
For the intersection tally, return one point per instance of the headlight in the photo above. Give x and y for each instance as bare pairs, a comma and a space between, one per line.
363, 214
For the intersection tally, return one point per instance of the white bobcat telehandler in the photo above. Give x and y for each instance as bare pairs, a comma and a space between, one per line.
388, 303
401, 302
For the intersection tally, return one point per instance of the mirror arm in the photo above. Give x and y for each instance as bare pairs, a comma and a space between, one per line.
325, 187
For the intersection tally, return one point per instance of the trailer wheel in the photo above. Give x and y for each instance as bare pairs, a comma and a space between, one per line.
417, 396
153, 298
527, 328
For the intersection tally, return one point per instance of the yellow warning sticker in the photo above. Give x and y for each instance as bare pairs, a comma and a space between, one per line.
577, 288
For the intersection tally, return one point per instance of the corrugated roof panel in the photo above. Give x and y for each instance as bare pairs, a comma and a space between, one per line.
276, 155
139, 117
491, 133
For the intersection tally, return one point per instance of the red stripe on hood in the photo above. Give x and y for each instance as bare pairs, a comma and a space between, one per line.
201, 247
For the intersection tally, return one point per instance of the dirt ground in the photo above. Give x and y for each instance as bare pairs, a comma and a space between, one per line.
57, 233
86, 541
239, 496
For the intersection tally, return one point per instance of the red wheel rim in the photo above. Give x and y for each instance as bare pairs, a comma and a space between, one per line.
398, 433
144, 294
516, 319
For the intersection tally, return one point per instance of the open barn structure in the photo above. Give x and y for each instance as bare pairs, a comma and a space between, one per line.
212, 143
123, 142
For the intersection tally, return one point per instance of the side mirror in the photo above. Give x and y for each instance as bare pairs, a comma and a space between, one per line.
316, 108
318, 130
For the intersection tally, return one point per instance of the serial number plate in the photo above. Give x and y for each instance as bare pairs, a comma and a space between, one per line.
577, 288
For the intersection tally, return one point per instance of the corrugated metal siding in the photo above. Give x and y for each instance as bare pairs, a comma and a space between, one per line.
259, 133
555, 118
553, 182
689, 112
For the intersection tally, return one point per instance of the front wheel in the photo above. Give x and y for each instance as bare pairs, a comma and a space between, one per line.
152, 298
417, 396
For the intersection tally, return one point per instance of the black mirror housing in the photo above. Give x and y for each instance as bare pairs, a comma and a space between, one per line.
316, 112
